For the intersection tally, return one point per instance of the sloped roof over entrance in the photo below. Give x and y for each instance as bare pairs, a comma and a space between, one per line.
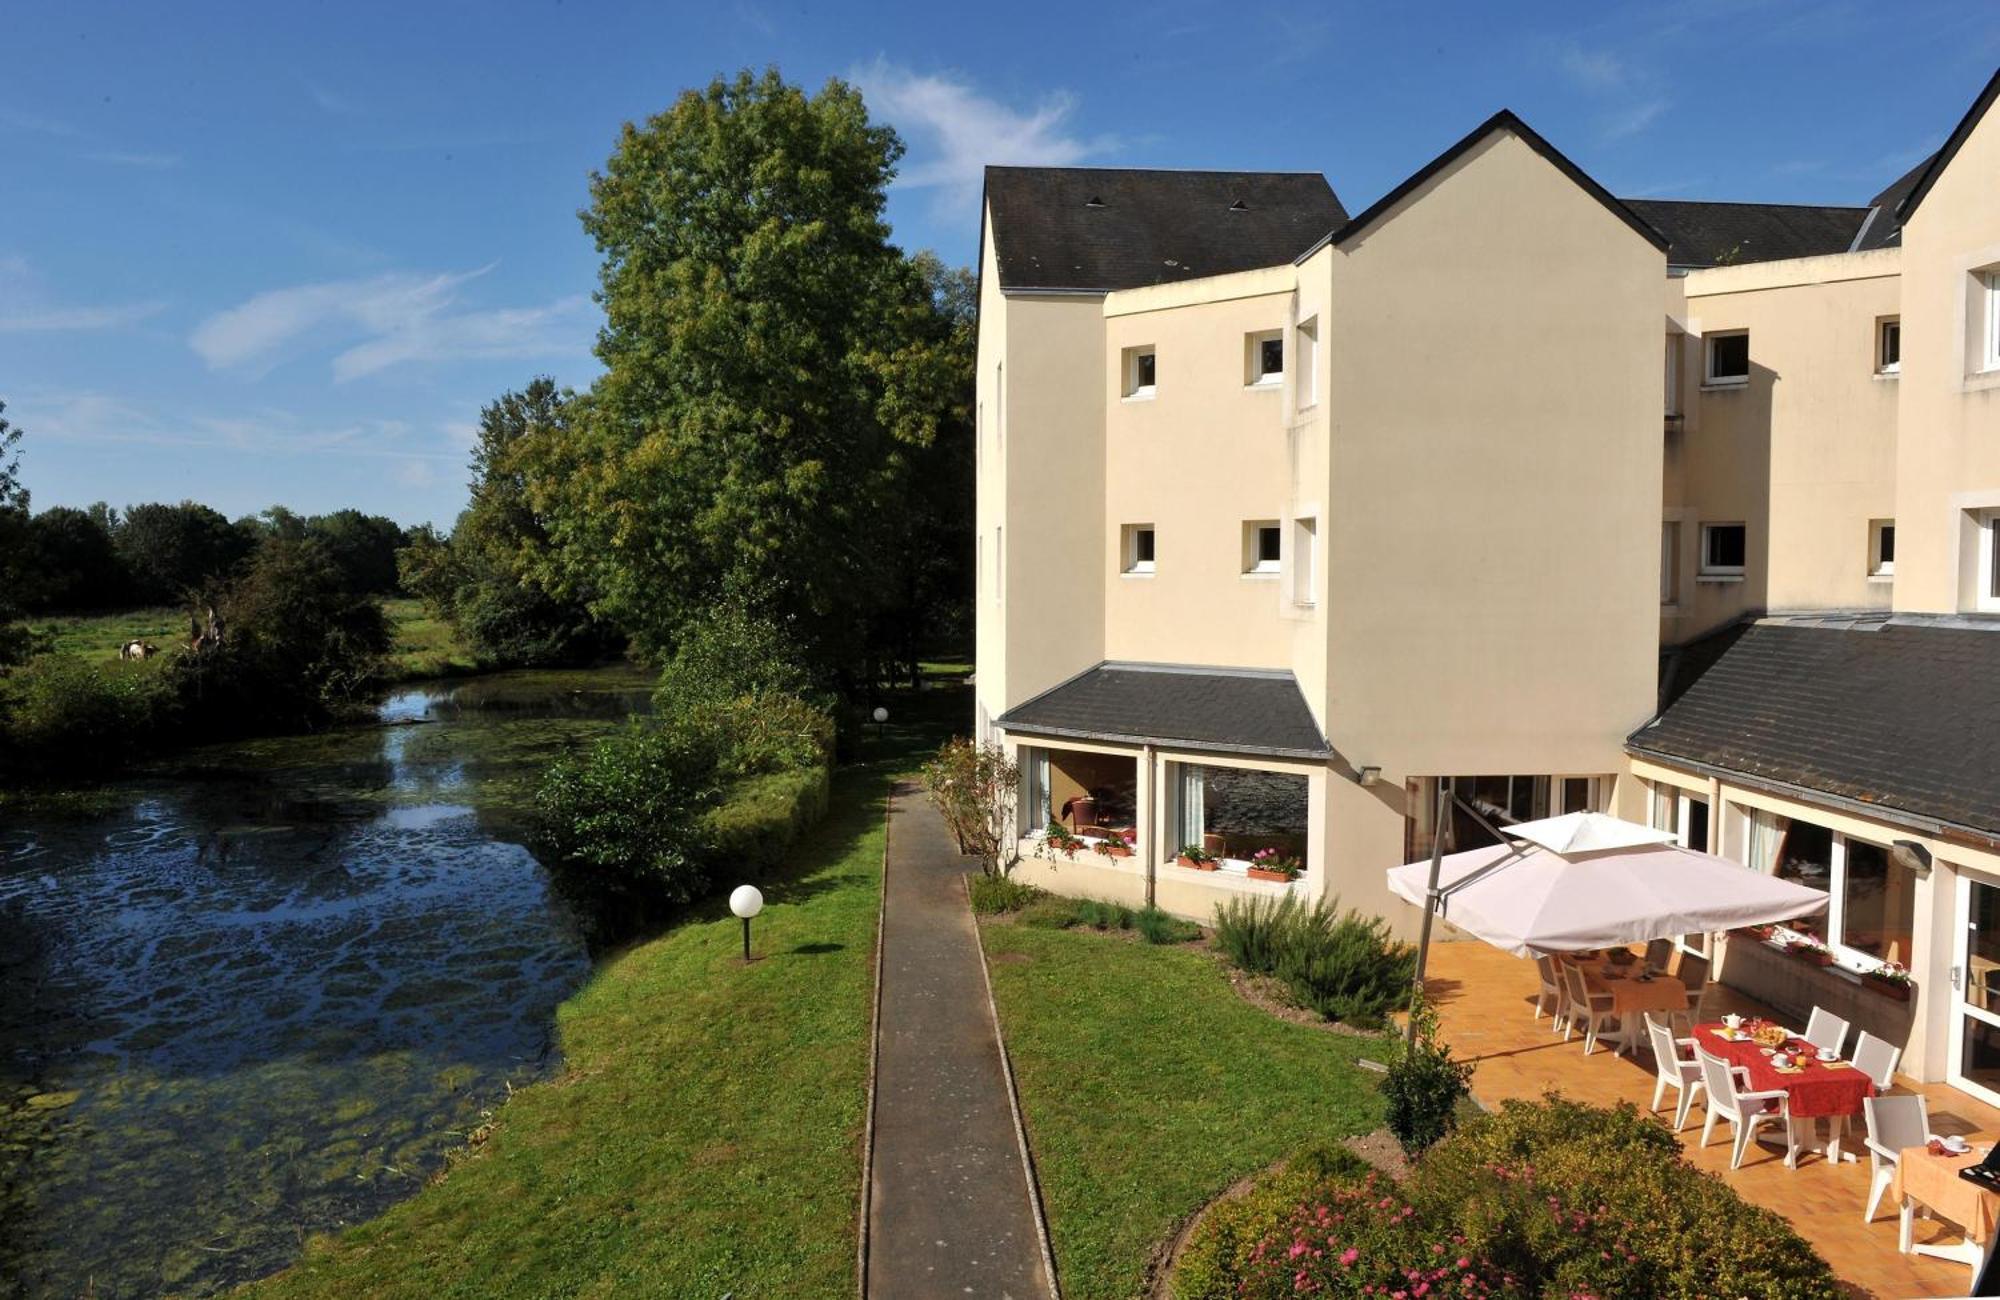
1223, 710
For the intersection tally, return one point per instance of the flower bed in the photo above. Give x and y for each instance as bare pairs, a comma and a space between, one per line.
1549, 1199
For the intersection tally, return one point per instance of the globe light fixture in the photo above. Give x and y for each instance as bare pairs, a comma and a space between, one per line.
881, 715
746, 901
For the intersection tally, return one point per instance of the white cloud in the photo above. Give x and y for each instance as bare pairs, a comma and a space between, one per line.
1631, 94
97, 417
954, 131
36, 124
1593, 69
26, 309
1630, 121
386, 320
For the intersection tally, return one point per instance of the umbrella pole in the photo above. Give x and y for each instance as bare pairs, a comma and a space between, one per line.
1431, 895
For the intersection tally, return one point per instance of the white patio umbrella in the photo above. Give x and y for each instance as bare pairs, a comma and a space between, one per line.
1589, 880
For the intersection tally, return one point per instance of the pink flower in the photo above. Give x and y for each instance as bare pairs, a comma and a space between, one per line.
1348, 1256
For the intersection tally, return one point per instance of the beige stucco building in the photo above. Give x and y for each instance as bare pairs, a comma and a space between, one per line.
1686, 511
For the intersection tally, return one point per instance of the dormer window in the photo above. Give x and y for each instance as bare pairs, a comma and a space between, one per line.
1239, 206
1093, 202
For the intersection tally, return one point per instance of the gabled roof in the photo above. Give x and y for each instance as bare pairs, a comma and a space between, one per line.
1884, 228
1701, 234
1097, 229
1942, 158
1894, 715
1504, 120
1222, 710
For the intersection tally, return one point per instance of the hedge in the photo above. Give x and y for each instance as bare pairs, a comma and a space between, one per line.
761, 817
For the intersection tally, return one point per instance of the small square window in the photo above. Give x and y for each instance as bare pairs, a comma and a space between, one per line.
1889, 345
1138, 548
1261, 547
1881, 548
1723, 547
1728, 359
1264, 359
1141, 372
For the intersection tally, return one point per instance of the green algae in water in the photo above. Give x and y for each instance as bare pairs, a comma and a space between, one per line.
268, 993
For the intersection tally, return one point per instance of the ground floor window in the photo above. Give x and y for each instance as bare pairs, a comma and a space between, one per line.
1237, 812
1082, 789
1874, 896
1501, 800
1686, 815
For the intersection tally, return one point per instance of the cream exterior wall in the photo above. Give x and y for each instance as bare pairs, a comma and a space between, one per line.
1948, 454
1197, 460
1804, 455
1494, 477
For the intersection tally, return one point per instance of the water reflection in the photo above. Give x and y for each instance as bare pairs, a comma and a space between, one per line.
267, 996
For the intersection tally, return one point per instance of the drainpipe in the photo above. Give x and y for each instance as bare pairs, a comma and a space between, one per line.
1149, 824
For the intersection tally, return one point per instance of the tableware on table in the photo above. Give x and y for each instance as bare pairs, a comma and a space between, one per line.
1734, 1021
1828, 1054
1782, 1060
1953, 1145
1767, 1050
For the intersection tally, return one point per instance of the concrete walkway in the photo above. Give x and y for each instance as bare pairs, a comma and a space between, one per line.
951, 1210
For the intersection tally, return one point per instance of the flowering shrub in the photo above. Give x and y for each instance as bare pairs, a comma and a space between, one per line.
1057, 839
1196, 853
973, 787
1893, 972
1272, 860
1553, 1200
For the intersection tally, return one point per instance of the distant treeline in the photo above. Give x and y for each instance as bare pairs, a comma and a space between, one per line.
76, 561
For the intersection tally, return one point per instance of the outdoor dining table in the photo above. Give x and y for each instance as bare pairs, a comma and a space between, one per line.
1816, 1090
1932, 1181
1632, 997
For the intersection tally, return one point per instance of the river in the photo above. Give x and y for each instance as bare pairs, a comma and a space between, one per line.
266, 996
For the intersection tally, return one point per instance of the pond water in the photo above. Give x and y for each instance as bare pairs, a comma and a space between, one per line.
268, 995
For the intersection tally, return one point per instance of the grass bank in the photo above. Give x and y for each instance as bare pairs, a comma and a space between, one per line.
703, 1138
424, 646
1149, 1085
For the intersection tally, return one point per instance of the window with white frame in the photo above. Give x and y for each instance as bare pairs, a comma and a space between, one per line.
1686, 815
1264, 359
1141, 372
1889, 345
1240, 815
1986, 595
1872, 912
1989, 317
1262, 547
1306, 352
1723, 549
1881, 548
1305, 561
1728, 359
1670, 562
1137, 545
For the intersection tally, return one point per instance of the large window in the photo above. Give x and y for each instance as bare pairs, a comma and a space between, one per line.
1501, 800
1873, 896
1084, 790
1234, 812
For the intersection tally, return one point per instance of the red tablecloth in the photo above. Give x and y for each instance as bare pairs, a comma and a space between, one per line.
1818, 1090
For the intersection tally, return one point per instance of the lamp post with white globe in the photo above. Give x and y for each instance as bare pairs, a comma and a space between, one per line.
746, 901
881, 716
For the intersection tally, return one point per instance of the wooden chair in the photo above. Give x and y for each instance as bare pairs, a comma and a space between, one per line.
1693, 972
1659, 954
1551, 996
1600, 1020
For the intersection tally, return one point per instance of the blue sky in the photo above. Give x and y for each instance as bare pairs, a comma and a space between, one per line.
282, 253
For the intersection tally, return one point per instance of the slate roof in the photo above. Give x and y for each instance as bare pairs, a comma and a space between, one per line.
1227, 710
1935, 165
1900, 715
1728, 234
1096, 229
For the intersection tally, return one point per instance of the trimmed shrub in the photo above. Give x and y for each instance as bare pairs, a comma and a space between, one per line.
1343, 966
1155, 926
1551, 1199
1424, 1085
761, 818
992, 895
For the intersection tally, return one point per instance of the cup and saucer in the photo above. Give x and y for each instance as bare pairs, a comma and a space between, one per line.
1953, 1145
1828, 1056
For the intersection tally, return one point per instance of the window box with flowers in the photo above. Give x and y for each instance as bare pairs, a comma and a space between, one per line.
1196, 858
1891, 980
1269, 864
1058, 839
1114, 845
1808, 949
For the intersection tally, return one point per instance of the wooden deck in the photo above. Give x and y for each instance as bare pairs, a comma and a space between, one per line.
1485, 1000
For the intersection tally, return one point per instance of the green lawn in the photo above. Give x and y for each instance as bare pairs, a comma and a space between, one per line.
1148, 1086
704, 1138
424, 646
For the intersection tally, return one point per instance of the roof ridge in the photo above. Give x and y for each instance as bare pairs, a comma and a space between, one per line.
1752, 203
1178, 171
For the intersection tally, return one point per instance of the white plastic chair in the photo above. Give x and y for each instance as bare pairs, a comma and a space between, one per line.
1681, 1073
1826, 1030
1550, 998
1893, 1124
1876, 1058
1595, 1009
1747, 1110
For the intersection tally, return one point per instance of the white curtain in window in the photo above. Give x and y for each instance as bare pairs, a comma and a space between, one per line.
1189, 804
1766, 830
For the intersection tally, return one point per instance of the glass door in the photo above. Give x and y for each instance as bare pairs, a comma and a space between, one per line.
1974, 1053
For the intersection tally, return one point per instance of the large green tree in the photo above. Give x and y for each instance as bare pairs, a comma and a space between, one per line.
776, 370
175, 552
